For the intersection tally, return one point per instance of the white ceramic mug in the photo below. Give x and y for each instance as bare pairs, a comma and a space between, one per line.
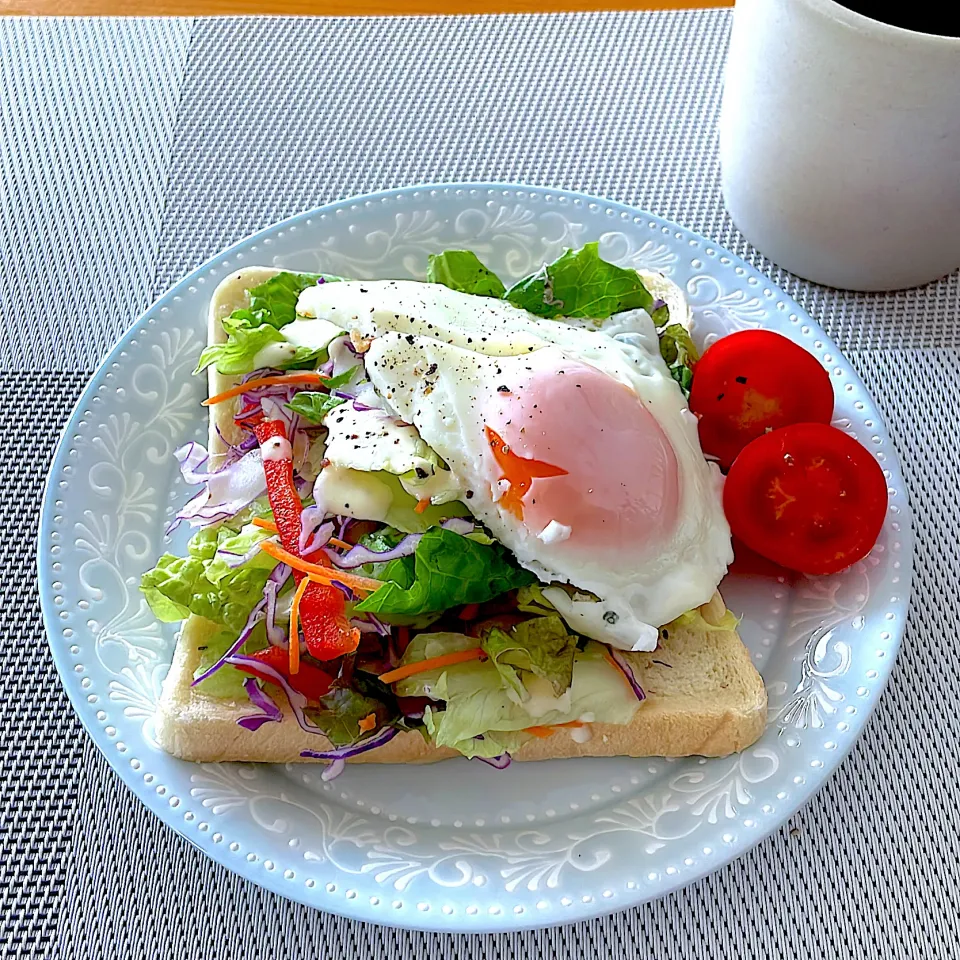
840, 144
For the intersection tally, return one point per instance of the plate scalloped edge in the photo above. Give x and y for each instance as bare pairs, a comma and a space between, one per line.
826, 650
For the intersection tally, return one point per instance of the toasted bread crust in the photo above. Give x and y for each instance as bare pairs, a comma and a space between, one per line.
704, 697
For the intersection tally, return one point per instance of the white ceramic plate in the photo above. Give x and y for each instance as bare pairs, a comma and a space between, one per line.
456, 845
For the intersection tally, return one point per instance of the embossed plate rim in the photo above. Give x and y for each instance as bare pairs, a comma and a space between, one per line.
410, 918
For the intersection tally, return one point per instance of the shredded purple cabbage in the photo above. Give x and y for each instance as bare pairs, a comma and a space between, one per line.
272, 410
227, 490
275, 634
345, 590
382, 628
384, 735
269, 711
627, 671
297, 702
313, 533
498, 763
235, 451
333, 770
359, 555
278, 575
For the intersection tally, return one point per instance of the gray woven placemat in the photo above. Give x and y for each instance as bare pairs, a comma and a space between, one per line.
132, 150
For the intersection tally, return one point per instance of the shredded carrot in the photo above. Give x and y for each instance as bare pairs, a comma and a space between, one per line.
542, 732
368, 722
431, 663
469, 612
359, 585
264, 524
551, 730
318, 573
307, 376
294, 642
342, 544
422, 505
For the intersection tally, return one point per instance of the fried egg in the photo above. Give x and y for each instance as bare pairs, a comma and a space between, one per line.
573, 445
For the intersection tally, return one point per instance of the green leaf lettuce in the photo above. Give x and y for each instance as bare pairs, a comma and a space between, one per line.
462, 270
447, 570
580, 284
541, 646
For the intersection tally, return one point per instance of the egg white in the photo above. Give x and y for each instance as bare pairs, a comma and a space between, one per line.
436, 353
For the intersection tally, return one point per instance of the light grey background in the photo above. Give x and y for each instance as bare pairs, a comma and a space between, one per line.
132, 151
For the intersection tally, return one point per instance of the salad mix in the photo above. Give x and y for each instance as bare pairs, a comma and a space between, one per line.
358, 629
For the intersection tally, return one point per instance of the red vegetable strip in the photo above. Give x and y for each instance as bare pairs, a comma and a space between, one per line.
320, 611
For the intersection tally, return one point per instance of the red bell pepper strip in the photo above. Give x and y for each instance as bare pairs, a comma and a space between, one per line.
326, 630
309, 680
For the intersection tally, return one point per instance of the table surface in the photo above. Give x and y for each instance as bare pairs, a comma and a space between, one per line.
134, 150
332, 7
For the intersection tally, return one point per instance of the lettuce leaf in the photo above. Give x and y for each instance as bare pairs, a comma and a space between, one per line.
244, 341
493, 743
679, 353
344, 706
231, 544
313, 407
661, 316
580, 284
530, 599
462, 270
481, 700
478, 702
227, 682
447, 570
272, 305
425, 646
179, 586
693, 620
541, 646
275, 301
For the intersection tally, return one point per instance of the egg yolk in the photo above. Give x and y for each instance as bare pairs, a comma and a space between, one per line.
572, 445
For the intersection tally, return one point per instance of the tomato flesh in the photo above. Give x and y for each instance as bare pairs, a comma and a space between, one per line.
309, 680
807, 497
751, 382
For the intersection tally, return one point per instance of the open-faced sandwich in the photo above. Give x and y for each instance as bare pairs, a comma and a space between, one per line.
448, 518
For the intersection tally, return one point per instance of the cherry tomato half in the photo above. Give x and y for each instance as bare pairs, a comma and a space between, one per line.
808, 497
752, 382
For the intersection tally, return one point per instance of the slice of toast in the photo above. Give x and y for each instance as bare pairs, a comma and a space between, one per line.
704, 696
